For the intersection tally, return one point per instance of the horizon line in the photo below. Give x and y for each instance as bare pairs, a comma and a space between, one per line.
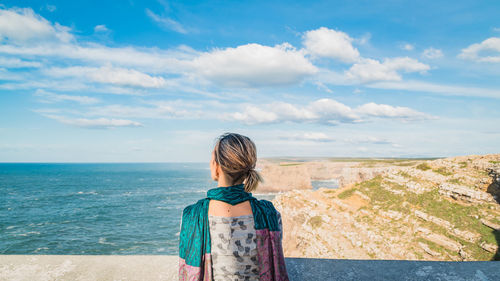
196, 162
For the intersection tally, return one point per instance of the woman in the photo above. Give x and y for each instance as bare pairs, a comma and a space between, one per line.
230, 234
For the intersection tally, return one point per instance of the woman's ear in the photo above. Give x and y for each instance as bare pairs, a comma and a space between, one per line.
217, 171
214, 168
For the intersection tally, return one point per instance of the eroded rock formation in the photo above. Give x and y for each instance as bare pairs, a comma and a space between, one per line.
444, 209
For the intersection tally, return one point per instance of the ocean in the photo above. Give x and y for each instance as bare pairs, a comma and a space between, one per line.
97, 209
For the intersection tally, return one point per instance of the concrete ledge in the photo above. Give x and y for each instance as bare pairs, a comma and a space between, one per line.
87, 267
328, 269
136, 267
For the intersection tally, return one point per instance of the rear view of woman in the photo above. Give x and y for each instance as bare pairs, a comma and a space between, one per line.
231, 235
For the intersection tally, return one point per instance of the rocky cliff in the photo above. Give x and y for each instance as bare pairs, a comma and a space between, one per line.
444, 209
290, 175
283, 177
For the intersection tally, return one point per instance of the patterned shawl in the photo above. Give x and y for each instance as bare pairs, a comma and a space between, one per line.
195, 261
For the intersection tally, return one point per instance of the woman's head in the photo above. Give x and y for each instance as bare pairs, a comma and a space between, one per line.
236, 155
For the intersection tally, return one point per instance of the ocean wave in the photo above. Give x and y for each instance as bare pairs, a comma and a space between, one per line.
102, 240
184, 192
90, 192
27, 233
39, 249
130, 248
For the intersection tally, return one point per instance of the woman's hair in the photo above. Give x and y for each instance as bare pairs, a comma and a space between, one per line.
237, 156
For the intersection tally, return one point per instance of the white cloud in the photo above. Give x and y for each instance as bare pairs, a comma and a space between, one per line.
170, 110
101, 28
49, 97
50, 8
491, 46
322, 111
450, 90
407, 47
406, 64
126, 77
23, 25
150, 59
324, 42
166, 22
388, 111
253, 115
26, 34
363, 39
254, 65
323, 87
367, 139
110, 75
67, 85
309, 137
432, 53
17, 63
99, 123
248, 66
370, 70
7, 75
151, 109
332, 111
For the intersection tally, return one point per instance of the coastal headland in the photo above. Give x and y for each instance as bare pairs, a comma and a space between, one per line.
404, 209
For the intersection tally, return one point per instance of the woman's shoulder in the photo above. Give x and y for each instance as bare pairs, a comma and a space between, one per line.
266, 215
266, 205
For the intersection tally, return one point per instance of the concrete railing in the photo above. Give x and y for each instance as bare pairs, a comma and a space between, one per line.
86, 267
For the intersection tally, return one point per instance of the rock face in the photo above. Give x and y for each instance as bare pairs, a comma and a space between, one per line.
494, 187
462, 192
325, 170
444, 209
350, 176
494, 172
347, 173
284, 177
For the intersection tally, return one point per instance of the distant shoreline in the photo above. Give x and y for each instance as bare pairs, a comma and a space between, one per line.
271, 159
345, 159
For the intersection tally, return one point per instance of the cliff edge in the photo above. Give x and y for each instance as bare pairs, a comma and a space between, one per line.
444, 209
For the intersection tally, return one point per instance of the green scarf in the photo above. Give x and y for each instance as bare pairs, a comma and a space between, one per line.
232, 194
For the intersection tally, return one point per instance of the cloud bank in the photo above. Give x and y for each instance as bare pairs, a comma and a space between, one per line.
323, 111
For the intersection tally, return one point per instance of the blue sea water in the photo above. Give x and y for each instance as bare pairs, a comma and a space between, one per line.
332, 183
97, 209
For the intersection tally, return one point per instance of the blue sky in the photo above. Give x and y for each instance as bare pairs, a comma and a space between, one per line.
158, 81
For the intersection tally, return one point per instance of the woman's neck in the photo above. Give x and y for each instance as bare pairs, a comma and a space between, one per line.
225, 182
